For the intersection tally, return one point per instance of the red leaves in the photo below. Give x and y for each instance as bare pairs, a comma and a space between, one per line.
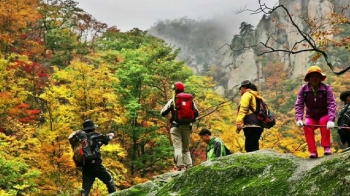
23, 105
23, 113
31, 68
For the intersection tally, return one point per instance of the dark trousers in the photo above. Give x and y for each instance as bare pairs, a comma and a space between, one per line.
252, 136
93, 172
344, 136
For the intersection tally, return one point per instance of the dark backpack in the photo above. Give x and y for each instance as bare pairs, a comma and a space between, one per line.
184, 112
227, 151
264, 115
344, 117
80, 143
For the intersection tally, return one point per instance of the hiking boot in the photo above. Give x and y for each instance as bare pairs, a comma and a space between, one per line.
180, 168
313, 155
327, 151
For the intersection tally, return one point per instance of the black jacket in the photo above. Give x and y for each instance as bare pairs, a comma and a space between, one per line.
344, 116
96, 140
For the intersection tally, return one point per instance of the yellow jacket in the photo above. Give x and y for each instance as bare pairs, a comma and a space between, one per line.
247, 103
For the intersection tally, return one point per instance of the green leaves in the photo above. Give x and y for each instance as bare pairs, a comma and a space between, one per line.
16, 177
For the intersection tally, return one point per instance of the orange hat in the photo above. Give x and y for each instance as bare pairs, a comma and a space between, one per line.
314, 69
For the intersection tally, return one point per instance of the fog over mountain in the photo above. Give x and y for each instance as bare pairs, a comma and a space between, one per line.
143, 14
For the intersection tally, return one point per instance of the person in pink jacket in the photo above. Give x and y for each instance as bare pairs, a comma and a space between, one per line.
319, 101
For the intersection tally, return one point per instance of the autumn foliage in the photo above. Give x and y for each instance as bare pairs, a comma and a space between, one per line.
60, 66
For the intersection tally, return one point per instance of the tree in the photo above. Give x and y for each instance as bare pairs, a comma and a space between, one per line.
246, 29
66, 30
17, 177
145, 68
18, 144
74, 94
17, 20
320, 33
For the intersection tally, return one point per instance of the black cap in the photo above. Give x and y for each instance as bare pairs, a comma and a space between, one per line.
344, 95
245, 83
89, 125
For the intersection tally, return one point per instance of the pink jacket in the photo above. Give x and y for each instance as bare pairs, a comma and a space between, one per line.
317, 104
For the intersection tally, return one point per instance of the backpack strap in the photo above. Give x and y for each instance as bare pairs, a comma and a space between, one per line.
250, 104
345, 110
257, 101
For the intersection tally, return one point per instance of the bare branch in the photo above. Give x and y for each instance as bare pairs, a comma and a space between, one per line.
213, 109
306, 38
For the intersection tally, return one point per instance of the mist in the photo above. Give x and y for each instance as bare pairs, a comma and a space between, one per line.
143, 14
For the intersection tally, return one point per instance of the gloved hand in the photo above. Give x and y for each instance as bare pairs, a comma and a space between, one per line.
110, 135
330, 125
300, 123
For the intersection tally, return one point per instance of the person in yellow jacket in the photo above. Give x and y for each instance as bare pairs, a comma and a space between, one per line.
246, 119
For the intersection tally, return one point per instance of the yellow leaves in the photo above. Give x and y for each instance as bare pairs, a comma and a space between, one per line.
78, 92
14, 17
138, 180
116, 149
4, 193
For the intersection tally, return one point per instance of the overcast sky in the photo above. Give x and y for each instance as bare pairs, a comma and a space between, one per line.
127, 14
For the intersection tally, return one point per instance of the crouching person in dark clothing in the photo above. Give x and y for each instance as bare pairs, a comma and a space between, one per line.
93, 169
344, 120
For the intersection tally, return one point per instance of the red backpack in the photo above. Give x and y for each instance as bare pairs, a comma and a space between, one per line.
184, 109
264, 115
80, 144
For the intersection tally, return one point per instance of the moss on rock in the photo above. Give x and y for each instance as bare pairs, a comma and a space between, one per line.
259, 173
327, 178
243, 174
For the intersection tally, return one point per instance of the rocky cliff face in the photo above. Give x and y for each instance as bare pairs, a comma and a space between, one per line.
200, 40
259, 173
296, 64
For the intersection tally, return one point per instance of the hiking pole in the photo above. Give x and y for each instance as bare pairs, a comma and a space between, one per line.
336, 127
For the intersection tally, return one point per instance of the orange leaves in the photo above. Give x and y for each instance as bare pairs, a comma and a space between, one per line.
316, 57
15, 16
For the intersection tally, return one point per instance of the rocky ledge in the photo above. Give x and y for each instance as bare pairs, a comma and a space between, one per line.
259, 173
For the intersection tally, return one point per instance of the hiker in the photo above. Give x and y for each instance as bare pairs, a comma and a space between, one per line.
216, 147
320, 105
344, 119
94, 168
183, 112
246, 119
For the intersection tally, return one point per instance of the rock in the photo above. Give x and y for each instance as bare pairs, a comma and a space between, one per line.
244, 68
253, 174
248, 65
220, 90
